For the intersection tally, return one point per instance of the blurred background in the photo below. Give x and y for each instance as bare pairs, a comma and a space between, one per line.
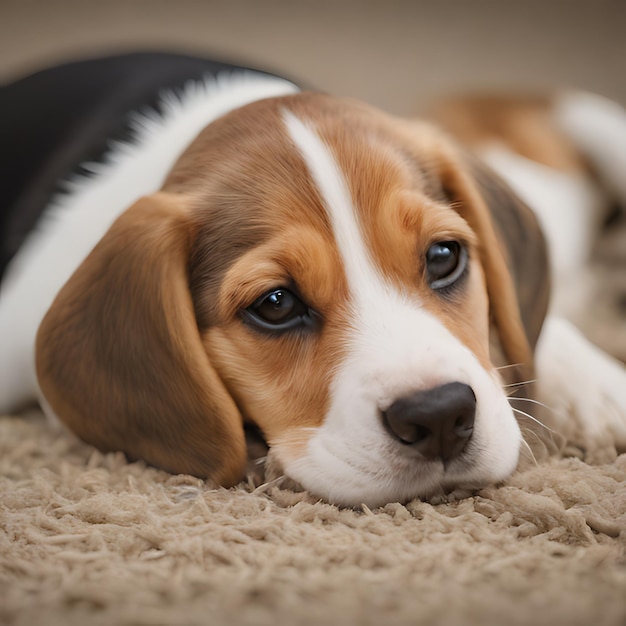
396, 54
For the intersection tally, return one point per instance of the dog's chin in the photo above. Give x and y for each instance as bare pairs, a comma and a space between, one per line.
438, 488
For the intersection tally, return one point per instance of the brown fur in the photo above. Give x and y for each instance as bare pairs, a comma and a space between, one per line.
523, 123
151, 322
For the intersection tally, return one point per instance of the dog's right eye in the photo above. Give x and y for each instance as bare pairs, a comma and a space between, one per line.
278, 309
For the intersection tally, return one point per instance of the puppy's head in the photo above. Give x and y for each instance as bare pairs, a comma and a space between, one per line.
314, 267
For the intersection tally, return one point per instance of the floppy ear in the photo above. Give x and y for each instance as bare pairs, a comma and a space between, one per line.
119, 356
524, 247
517, 308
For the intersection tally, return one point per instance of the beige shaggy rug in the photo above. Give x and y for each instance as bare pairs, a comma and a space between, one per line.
87, 538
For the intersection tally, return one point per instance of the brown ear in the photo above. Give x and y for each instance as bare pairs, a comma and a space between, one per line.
524, 247
119, 356
517, 308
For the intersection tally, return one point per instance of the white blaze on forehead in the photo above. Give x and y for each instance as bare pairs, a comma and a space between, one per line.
339, 206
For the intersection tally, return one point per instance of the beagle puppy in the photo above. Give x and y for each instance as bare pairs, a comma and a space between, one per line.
201, 248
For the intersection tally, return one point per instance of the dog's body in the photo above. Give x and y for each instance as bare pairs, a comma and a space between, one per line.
339, 278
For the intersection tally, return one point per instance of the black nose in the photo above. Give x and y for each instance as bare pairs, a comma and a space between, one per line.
437, 422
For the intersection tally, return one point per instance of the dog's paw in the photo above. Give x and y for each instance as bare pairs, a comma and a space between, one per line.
585, 390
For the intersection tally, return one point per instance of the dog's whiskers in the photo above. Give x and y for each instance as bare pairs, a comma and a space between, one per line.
545, 406
520, 384
530, 451
534, 419
504, 367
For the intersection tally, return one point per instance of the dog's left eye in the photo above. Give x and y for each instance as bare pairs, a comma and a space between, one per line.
279, 309
445, 263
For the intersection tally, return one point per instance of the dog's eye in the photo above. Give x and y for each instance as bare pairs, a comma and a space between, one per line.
445, 263
279, 309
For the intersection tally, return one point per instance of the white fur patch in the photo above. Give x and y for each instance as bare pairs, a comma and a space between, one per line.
395, 347
74, 223
584, 387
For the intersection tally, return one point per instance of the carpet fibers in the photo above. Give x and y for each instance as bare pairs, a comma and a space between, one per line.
90, 538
